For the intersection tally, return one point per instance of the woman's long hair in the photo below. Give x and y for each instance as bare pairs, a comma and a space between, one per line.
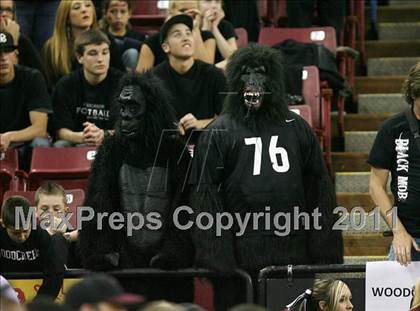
59, 49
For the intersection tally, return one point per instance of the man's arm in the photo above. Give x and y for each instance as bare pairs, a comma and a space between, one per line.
189, 121
69, 135
38, 128
402, 241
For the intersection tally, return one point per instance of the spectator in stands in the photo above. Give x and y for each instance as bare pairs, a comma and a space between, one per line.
28, 55
196, 87
247, 307
100, 292
244, 14
72, 18
115, 22
396, 150
329, 294
84, 112
325, 295
152, 54
415, 303
37, 19
24, 248
51, 204
222, 30
25, 104
162, 306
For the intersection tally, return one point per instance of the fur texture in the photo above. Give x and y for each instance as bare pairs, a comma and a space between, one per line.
102, 249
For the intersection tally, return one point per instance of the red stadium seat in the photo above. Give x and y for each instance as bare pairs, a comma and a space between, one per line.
68, 167
242, 40
74, 198
304, 111
147, 16
319, 100
9, 165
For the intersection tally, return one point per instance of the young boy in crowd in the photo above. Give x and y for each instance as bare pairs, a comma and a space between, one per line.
24, 248
51, 205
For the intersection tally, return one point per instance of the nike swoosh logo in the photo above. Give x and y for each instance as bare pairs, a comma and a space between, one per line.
291, 120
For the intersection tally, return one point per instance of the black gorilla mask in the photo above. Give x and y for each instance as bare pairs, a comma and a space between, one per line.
254, 86
132, 109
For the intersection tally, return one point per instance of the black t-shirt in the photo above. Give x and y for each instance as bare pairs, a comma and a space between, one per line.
37, 254
27, 92
75, 101
395, 150
228, 31
199, 91
29, 55
131, 33
256, 170
153, 42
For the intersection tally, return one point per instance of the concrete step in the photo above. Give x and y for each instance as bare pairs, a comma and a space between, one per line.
367, 244
357, 221
399, 13
379, 84
390, 66
380, 103
350, 162
360, 141
360, 122
350, 200
352, 182
399, 31
361, 260
395, 48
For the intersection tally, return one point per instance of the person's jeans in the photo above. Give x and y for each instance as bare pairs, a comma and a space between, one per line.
415, 255
36, 19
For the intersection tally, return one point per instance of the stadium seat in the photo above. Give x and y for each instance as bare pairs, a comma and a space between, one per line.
319, 35
319, 100
304, 111
148, 16
68, 167
9, 165
74, 198
242, 35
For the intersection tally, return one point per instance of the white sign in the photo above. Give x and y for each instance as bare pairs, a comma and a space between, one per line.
389, 285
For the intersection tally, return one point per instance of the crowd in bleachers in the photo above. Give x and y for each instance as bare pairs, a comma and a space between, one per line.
60, 69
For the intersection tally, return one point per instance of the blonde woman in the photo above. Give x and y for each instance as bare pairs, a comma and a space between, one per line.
72, 18
222, 30
152, 54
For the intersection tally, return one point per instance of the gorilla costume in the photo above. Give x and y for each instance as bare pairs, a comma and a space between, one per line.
258, 154
141, 169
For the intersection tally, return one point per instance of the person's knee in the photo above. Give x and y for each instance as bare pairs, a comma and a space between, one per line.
40, 142
63, 144
130, 57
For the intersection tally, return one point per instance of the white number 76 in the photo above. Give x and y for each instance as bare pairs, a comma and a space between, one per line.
273, 151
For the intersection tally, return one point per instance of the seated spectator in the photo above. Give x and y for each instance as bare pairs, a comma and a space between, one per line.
325, 295
115, 22
196, 87
163, 306
83, 100
28, 55
25, 104
222, 30
51, 206
72, 18
247, 307
27, 249
152, 54
100, 292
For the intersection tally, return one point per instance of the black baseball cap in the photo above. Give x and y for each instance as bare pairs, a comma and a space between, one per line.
100, 288
177, 19
6, 42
